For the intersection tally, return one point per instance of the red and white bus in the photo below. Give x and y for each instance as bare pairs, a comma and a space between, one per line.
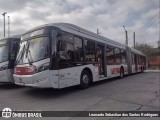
8, 52
60, 55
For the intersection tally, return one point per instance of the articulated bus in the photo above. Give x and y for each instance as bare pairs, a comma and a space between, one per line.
60, 55
8, 52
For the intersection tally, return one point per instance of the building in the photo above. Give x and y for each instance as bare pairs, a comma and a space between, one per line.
154, 62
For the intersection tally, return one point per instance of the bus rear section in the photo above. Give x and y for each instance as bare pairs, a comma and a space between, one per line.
137, 61
8, 52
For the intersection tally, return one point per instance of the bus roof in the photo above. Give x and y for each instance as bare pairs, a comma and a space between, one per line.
87, 34
14, 36
81, 31
136, 52
7, 40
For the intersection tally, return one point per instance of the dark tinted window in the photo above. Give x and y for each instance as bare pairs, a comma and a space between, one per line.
79, 55
14, 49
123, 54
65, 55
89, 45
110, 55
53, 41
90, 55
117, 55
4, 53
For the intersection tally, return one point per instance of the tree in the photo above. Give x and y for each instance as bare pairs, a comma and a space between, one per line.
146, 49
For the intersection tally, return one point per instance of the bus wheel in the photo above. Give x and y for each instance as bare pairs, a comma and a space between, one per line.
121, 73
85, 79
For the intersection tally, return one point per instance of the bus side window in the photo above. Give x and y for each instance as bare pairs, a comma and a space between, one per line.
110, 55
61, 45
79, 55
13, 53
123, 56
65, 50
70, 47
117, 55
14, 50
90, 54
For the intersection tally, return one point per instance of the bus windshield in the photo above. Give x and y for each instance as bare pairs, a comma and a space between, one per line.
4, 50
33, 50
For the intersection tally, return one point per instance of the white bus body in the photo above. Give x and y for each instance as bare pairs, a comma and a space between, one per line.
61, 55
8, 51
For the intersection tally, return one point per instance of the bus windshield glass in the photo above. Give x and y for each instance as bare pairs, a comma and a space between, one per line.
4, 50
33, 50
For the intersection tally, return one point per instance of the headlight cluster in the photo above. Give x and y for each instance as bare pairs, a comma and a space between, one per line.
41, 68
3, 67
30, 70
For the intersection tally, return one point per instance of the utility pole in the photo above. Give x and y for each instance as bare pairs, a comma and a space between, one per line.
134, 42
98, 32
159, 26
126, 35
8, 26
4, 21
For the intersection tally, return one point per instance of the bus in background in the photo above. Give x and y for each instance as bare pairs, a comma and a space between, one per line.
60, 55
8, 52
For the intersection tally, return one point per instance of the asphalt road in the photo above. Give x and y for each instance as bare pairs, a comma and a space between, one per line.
139, 92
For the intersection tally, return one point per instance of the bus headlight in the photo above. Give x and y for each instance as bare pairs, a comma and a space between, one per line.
42, 68
30, 70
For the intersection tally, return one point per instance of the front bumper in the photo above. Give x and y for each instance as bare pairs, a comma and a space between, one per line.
39, 80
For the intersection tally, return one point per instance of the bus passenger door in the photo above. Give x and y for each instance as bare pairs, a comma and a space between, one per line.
100, 58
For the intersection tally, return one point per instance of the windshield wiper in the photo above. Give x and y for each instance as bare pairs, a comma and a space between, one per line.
30, 59
21, 54
18, 58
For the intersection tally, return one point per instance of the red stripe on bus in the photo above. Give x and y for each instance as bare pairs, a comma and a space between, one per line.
115, 70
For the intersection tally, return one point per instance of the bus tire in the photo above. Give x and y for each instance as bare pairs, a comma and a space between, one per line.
121, 73
85, 79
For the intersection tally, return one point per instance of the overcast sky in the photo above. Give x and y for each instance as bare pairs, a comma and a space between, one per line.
108, 16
